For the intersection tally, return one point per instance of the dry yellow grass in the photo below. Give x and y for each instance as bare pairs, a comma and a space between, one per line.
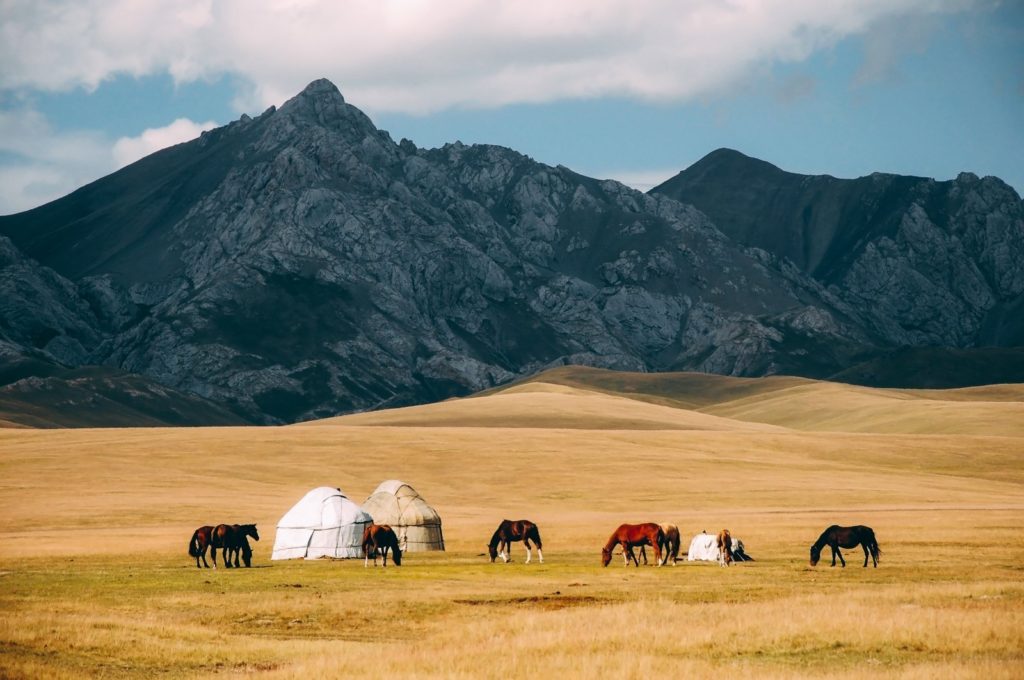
95, 579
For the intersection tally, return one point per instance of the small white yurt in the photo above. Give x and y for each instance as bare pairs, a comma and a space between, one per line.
417, 525
325, 523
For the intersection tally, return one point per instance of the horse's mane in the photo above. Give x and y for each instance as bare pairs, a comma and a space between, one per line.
496, 538
823, 539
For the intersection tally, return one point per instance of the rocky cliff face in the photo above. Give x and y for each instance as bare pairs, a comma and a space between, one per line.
927, 263
302, 264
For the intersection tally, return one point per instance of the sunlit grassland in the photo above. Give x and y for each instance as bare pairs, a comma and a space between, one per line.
95, 579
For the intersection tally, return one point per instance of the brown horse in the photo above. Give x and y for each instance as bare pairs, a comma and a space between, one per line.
631, 535
198, 544
724, 542
670, 546
837, 537
509, 531
231, 539
382, 538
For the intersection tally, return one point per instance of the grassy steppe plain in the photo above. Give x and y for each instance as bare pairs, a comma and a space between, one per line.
95, 579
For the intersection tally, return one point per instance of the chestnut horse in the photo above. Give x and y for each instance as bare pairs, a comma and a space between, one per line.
724, 542
231, 539
670, 546
837, 537
382, 538
198, 544
631, 535
508, 531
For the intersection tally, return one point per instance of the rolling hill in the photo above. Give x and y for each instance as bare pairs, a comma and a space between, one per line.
802, 404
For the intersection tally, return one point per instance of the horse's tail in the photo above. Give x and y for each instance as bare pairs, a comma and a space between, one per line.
193, 544
876, 552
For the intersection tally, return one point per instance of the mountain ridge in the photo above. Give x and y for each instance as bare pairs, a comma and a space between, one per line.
301, 264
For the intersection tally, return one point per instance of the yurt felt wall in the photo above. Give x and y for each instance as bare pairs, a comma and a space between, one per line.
324, 523
417, 525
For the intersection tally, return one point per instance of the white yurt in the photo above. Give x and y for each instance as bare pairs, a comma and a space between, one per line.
417, 525
325, 523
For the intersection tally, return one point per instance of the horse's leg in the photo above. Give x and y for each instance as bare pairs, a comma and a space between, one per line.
385, 556
526, 543
839, 552
213, 554
833, 549
865, 546
203, 554
506, 551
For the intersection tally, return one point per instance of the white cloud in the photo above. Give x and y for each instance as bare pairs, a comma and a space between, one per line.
130, 149
44, 164
414, 55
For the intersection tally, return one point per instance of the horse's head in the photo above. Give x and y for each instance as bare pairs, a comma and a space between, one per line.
250, 530
606, 556
815, 555
492, 550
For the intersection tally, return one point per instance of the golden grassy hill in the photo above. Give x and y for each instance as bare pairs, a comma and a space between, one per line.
538, 404
811, 405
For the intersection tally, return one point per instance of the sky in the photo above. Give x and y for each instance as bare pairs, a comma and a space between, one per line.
634, 90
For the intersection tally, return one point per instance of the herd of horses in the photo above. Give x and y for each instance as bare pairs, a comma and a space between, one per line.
663, 539
232, 539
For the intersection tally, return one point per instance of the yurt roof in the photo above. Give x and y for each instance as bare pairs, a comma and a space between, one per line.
396, 502
324, 506
396, 487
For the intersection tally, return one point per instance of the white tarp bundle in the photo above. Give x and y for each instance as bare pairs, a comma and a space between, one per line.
704, 548
325, 523
417, 525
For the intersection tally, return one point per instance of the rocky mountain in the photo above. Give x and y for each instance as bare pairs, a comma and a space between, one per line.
935, 264
302, 264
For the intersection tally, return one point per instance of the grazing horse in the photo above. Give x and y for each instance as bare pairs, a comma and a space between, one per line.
670, 546
380, 537
508, 531
724, 542
630, 535
231, 539
198, 544
837, 537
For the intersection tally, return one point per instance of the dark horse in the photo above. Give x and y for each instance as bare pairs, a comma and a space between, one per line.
837, 537
198, 544
382, 538
508, 531
630, 535
231, 539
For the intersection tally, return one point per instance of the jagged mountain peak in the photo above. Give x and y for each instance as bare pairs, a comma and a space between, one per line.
321, 88
321, 103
